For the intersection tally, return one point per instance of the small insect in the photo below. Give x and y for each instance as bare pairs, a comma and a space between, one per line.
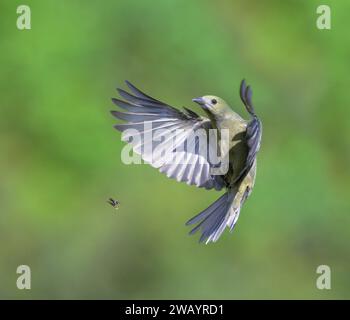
114, 203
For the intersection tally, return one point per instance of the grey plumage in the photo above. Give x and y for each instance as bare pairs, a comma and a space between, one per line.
164, 116
195, 169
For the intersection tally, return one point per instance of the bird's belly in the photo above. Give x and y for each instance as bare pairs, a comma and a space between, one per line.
234, 147
237, 158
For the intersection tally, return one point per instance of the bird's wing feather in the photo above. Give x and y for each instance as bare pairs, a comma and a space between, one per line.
253, 131
190, 166
253, 138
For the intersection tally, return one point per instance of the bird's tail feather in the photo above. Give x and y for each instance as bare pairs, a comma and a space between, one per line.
213, 220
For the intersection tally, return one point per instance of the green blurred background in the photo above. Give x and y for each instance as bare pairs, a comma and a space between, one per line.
60, 156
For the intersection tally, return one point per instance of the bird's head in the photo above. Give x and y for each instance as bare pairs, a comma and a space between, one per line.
212, 104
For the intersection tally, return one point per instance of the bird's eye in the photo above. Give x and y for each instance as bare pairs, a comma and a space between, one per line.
213, 101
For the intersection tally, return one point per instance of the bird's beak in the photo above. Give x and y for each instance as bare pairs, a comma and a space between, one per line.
200, 101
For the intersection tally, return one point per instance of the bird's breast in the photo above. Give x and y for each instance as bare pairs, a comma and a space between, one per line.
234, 144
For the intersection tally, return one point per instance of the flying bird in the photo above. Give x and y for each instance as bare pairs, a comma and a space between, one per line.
242, 146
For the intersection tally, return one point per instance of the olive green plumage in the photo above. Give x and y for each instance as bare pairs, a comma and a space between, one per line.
240, 149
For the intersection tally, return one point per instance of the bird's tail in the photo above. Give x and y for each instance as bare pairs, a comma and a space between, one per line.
213, 220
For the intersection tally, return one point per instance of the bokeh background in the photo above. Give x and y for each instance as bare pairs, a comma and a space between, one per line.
60, 156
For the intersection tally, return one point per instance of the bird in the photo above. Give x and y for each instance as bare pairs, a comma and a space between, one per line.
242, 143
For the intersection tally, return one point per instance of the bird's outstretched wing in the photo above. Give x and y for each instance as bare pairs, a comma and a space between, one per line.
142, 112
253, 132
